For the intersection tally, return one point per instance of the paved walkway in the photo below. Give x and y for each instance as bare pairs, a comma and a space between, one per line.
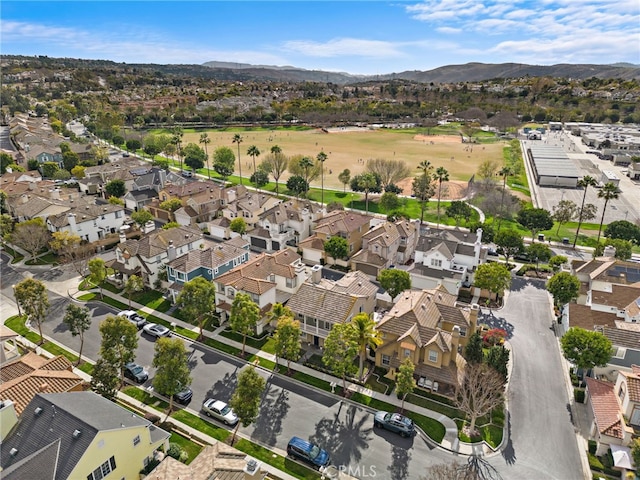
450, 441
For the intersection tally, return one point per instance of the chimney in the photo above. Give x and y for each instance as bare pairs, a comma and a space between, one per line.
316, 273
171, 251
24, 198
609, 251
252, 469
32, 186
43, 387
71, 218
54, 194
455, 341
473, 317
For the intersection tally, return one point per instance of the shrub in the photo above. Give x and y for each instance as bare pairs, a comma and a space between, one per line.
494, 337
177, 452
592, 447
595, 463
578, 394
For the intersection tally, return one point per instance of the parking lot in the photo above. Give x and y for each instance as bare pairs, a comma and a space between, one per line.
626, 207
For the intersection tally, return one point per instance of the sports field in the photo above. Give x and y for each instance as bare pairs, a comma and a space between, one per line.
352, 147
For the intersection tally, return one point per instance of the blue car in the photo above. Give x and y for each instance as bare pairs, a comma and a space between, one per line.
308, 452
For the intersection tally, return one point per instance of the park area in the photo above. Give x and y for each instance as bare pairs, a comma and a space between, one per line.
351, 147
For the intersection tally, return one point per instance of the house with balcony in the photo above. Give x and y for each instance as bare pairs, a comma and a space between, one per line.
346, 224
269, 278
89, 222
147, 257
79, 435
213, 260
386, 245
448, 258
429, 328
285, 224
320, 303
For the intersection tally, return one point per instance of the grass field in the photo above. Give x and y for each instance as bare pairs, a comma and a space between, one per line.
346, 147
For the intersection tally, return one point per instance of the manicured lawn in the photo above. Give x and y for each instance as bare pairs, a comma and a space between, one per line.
250, 342
280, 462
152, 299
192, 449
46, 259
201, 425
146, 398
16, 256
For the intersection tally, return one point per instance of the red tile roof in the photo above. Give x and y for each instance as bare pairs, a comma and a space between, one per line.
606, 411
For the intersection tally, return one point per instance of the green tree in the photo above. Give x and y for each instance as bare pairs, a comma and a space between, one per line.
287, 340
6, 226
394, 281
172, 369
510, 243
321, 158
245, 314
405, 383
336, 248
141, 217
197, 301
340, 348
539, 252
238, 225
31, 235
498, 359
422, 186
5, 161
115, 188
259, 178
78, 171
344, 177
78, 320
494, 277
389, 202
62, 175
505, 172
563, 287
459, 210
297, 185
97, 273
104, 379
564, 212
246, 398
171, 205
194, 156
441, 175
224, 162
624, 248
585, 182
49, 169
134, 284
535, 220
170, 225
253, 152
70, 160
366, 182
205, 140
278, 310
32, 296
586, 349
366, 336
473, 352
237, 138
557, 261
608, 192
119, 343
635, 453
116, 201
623, 230
133, 145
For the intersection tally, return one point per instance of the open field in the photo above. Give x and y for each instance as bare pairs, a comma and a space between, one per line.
350, 148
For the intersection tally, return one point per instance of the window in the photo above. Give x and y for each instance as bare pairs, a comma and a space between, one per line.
119, 214
463, 332
433, 356
180, 275
436, 262
292, 282
386, 360
618, 352
103, 470
231, 293
136, 440
622, 391
407, 353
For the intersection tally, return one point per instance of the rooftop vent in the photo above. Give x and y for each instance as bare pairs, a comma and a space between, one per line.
76, 433
38, 411
13, 452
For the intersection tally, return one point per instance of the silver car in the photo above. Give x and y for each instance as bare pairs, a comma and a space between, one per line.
156, 330
220, 411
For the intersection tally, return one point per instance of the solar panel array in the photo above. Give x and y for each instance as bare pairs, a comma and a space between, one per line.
632, 274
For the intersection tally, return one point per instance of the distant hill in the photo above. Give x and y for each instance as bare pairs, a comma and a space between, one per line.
470, 72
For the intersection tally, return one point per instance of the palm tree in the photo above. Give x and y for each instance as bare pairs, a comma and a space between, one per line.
254, 152
205, 140
366, 182
322, 157
177, 141
608, 192
426, 168
504, 173
367, 336
237, 138
306, 163
585, 182
442, 175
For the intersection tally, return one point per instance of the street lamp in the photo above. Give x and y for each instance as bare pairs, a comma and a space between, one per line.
17, 302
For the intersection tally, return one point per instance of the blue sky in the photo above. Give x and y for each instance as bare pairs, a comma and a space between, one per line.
359, 37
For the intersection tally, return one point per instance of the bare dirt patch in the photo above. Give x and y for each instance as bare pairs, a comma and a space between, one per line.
452, 190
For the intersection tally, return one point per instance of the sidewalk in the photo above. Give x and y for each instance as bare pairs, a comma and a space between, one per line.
450, 441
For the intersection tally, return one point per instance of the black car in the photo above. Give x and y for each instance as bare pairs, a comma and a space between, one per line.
183, 396
135, 372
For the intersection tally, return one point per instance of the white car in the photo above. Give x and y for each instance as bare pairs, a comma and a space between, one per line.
220, 411
156, 330
138, 320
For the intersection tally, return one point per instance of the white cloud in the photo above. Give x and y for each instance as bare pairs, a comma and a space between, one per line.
344, 47
448, 30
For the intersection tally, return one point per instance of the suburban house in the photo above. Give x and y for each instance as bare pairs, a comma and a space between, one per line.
384, 246
448, 258
429, 328
149, 255
201, 201
9, 347
96, 177
249, 207
30, 206
320, 303
24, 377
269, 278
210, 262
147, 183
89, 222
346, 224
284, 224
79, 435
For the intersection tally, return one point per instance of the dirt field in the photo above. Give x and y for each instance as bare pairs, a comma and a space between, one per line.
351, 147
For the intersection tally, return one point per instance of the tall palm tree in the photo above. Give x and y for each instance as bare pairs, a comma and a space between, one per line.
367, 336
585, 182
306, 163
237, 138
176, 140
366, 182
254, 152
608, 192
322, 157
205, 140
504, 173
426, 168
441, 175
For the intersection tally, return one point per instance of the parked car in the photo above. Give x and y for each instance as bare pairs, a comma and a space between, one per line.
183, 396
394, 422
220, 411
308, 452
138, 320
156, 330
135, 372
